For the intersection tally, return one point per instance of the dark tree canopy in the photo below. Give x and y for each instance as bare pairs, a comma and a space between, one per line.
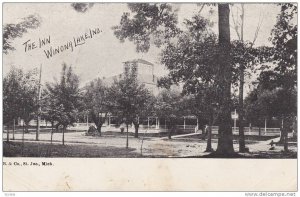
284, 37
192, 59
128, 96
151, 23
97, 102
67, 95
12, 31
20, 95
82, 7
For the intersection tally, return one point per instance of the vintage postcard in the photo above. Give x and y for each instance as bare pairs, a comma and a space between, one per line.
149, 96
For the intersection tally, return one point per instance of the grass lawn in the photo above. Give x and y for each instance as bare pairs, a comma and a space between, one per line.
14, 149
112, 145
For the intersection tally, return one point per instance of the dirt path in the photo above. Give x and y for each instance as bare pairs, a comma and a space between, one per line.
152, 146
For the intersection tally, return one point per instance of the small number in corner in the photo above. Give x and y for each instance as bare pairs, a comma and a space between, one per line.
9, 194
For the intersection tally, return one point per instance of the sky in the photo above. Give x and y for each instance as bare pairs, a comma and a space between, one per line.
102, 55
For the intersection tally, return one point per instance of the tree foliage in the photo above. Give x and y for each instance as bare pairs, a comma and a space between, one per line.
20, 95
151, 23
12, 31
66, 96
284, 38
82, 7
192, 59
271, 98
129, 98
171, 106
97, 102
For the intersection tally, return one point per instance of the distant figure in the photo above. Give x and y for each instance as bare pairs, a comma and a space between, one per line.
205, 131
92, 130
122, 127
272, 145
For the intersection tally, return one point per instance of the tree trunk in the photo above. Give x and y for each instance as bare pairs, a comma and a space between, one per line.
26, 127
281, 140
172, 130
136, 130
225, 141
127, 136
99, 129
285, 133
242, 147
208, 145
14, 128
170, 133
7, 133
63, 135
52, 132
23, 133
259, 131
286, 141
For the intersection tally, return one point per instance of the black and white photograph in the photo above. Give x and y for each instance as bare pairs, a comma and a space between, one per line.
173, 81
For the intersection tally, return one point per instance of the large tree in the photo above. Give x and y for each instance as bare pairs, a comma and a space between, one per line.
145, 103
129, 96
225, 141
205, 107
50, 109
169, 106
20, 95
150, 21
284, 38
67, 97
97, 102
192, 61
271, 98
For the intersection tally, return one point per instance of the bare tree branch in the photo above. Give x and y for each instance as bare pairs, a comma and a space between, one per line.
258, 27
235, 22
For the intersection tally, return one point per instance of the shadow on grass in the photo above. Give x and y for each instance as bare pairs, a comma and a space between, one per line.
253, 155
14, 149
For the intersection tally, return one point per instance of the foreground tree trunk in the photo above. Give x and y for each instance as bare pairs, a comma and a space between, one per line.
26, 127
99, 129
170, 132
281, 140
52, 125
14, 128
7, 133
225, 141
172, 129
285, 134
23, 133
63, 134
242, 147
136, 130
127, 136
286, 141
208, 144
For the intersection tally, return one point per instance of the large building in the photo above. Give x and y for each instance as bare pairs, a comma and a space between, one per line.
145, 74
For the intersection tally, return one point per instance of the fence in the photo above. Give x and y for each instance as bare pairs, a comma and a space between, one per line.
183, 129
252, 131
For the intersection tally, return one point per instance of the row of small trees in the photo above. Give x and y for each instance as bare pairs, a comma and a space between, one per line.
63, 101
